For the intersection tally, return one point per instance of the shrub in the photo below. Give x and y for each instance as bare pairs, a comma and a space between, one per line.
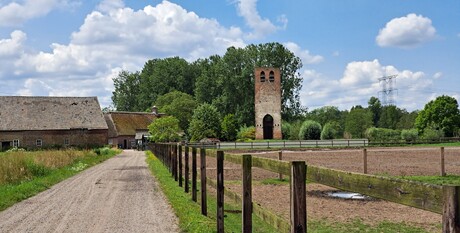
246, 133
310, 130
205, 123
328, 132
432, 134
409, 135
286, 130
382, 134
229, 128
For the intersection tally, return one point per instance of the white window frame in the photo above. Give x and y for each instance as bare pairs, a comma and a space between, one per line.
66, 141
16, 143
39, 142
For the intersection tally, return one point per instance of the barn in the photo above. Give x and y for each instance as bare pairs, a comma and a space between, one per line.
51, 122
126, 129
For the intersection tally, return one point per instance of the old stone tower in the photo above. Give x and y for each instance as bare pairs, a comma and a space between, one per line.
268, 103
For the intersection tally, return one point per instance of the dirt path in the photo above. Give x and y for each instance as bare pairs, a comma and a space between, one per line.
118, 195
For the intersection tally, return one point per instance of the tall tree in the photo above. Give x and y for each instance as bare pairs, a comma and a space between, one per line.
165, 129
376, 108
177, 104
390, 117
205, 123
325, 114
358, 120
440, 114
125, 95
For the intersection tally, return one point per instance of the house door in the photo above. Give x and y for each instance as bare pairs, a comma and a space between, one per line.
5, 145
268, 127
125, 144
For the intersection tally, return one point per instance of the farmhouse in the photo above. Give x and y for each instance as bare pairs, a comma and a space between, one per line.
43, 122
128, 129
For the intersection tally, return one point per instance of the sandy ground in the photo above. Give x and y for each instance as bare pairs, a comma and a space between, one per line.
381, 161
119, 195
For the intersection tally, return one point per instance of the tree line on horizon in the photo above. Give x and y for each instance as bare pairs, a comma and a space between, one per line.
214, 98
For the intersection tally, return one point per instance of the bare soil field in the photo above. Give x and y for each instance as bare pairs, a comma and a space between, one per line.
402, 161
119, 195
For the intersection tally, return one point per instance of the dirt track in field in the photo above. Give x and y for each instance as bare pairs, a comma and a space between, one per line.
381, 161
119, 195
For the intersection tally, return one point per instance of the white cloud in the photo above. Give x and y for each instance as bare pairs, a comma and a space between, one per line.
305, 55
110, 39
437, 75
261, 27
359, 82
15, 14
406, 32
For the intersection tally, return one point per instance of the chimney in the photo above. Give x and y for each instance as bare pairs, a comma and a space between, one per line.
155, 110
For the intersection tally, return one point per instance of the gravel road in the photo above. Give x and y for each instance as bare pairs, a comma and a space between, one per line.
119, 195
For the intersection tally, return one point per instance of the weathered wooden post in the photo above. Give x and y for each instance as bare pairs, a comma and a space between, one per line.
186, 170
451, 209
220, 191
365, 161
280, 157
194, 174
175, 162
179, 157
298, 197
247, 194
443, 168
204, 203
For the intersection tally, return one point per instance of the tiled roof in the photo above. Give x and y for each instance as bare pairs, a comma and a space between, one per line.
50, 113
126, 123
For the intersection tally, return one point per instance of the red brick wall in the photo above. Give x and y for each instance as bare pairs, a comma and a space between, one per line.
75, 137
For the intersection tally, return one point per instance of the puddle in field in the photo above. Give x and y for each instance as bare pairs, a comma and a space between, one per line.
348, 195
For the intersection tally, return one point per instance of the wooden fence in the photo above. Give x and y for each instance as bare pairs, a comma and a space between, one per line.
444, 200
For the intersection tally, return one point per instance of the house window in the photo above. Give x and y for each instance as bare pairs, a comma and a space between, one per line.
66, 141
16, 143
39, 142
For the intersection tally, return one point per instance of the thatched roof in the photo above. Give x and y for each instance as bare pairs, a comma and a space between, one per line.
126, 123
50, 113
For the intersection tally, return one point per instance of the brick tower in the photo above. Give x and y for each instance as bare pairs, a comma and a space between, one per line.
268, 103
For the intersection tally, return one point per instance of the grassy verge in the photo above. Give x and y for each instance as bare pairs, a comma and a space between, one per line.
189, 212
16, 192
439, 180
358, 226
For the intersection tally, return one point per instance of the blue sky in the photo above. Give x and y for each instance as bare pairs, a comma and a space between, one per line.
75, 48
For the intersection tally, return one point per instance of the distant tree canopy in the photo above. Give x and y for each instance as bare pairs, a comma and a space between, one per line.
225, 82
440, 114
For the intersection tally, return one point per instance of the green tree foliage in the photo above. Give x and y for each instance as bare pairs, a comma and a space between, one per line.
382, 134
246, 133
409, 135
432, 134
165, 129
440, 114
286, 130
357, 121
325, 114
229, 128
329, 131
390, 116
407, 120
205, 123
310, 130
376, 108
177, 104
127, 86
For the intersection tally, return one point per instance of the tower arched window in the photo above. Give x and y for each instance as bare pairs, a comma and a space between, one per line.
271, 76
262, 76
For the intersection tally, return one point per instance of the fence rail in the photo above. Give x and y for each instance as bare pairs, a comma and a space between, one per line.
438, 199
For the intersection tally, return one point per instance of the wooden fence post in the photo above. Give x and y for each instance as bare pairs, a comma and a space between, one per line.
186, 170
451, 209
220, 191
179, 157
280, 157
298, 197
365, 161
194, 173
443, 169
247, 194
175, 162
204, 203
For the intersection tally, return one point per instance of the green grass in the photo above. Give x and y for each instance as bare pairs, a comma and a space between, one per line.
439, 180
358, 226
16, 192
189, 212
446, 144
